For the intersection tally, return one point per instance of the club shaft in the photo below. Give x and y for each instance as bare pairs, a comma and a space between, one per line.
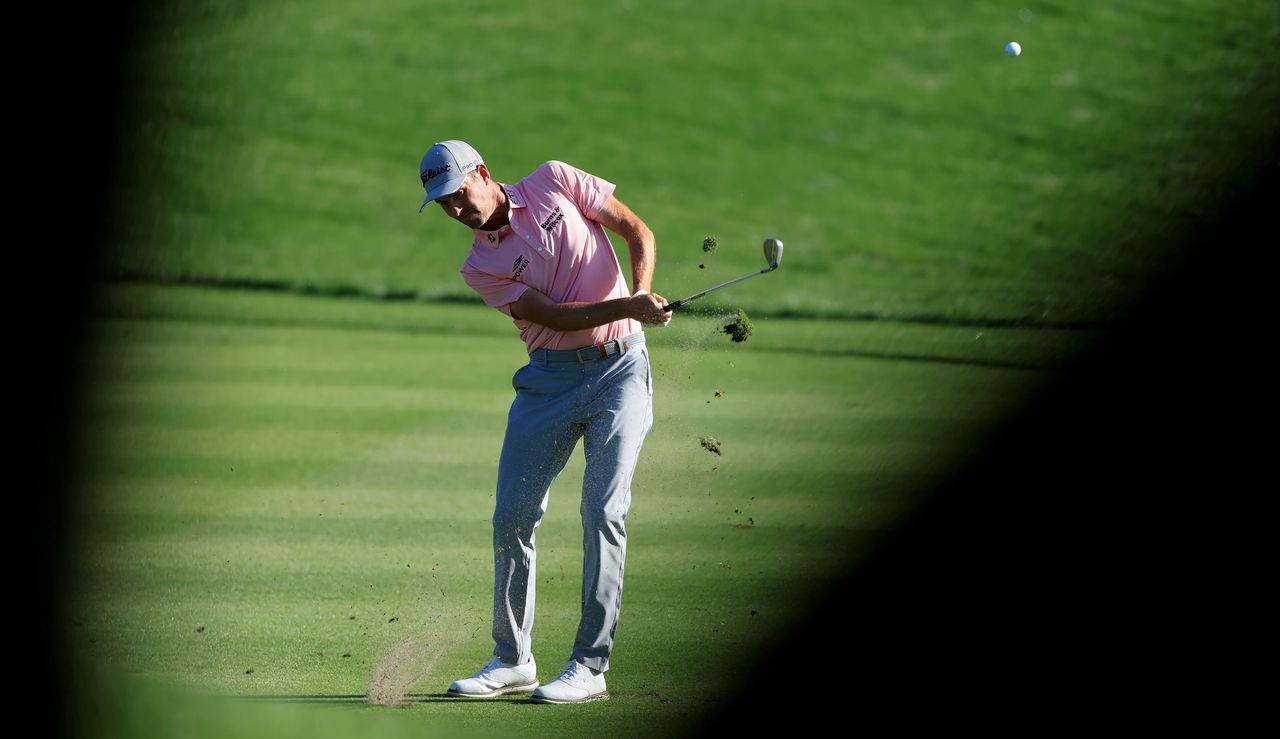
694, 297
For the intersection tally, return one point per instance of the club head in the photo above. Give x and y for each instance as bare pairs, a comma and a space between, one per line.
773, 252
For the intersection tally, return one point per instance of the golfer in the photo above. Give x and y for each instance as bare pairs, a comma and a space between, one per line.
541, 256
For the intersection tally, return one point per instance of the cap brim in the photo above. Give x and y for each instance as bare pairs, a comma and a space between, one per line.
448, 187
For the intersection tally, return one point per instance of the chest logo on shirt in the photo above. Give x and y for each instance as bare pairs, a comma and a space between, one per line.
517, 268
552, 220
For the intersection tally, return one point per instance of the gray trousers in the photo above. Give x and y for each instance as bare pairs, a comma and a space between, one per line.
608, 403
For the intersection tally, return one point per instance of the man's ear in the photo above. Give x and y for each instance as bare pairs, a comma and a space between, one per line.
484, 172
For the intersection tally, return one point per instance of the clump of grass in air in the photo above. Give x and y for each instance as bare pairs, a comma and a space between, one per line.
710, 243
739, 329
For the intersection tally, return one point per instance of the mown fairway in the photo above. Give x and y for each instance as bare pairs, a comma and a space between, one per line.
292, 406
281, 489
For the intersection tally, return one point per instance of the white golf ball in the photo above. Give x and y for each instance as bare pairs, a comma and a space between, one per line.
1013, 48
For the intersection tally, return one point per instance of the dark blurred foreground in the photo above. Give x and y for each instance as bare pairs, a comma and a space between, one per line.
1101, 559
1101, 564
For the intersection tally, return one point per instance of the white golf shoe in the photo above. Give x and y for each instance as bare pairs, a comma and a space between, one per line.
577, 684
497, 678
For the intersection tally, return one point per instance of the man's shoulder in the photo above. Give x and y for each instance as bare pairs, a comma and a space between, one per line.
479, 268
553, 174
475, 260
553, 167
470, 265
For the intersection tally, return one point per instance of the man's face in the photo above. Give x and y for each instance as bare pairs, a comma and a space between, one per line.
475, 202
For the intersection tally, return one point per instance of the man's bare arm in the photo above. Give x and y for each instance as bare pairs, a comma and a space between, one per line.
618, 218
538, 308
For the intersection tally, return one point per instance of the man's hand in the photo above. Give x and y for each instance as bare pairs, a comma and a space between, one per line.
647, 308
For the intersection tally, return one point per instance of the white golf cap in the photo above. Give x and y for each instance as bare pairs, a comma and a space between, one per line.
445, 166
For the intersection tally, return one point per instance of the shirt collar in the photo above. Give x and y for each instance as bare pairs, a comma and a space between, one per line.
490, 238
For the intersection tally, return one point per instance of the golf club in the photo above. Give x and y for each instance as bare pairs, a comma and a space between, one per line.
772, 255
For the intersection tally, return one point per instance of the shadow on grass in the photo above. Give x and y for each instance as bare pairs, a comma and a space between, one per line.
356, 292
409, 698
928, 359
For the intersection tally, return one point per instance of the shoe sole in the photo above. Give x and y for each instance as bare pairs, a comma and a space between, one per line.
597, 697
525, 688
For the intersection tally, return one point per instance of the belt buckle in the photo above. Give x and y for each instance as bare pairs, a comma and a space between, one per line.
605, 350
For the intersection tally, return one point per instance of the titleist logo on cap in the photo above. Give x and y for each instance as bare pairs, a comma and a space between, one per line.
431, 174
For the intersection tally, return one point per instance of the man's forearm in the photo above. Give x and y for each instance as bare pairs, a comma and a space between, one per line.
538, 308
641, 244
579, 316
618, 218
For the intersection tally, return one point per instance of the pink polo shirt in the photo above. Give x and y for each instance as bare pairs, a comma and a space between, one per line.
553, 246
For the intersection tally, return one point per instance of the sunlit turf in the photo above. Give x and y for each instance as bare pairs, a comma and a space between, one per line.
274, 490
911, 167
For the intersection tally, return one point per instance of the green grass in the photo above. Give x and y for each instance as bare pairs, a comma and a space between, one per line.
275, 490
112, 705
276, 485
911, 167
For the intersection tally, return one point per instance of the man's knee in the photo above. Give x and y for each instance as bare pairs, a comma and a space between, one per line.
611, 515
514, 516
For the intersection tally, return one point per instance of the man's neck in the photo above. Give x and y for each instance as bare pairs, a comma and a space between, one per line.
501, 216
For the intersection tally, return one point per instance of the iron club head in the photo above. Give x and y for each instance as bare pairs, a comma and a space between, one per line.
773, 252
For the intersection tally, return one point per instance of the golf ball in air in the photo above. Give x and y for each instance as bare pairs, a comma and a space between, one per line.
1013, 48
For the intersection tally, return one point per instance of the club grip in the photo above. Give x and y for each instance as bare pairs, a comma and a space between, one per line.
673, 306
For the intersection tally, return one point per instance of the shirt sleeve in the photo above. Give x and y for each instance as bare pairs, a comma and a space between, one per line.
496, 292
586, 190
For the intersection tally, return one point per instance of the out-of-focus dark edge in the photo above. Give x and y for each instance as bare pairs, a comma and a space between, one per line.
1098, 565
1101, 563
69, 76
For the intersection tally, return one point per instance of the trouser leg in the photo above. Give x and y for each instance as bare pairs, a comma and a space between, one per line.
539, 439
617, 426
